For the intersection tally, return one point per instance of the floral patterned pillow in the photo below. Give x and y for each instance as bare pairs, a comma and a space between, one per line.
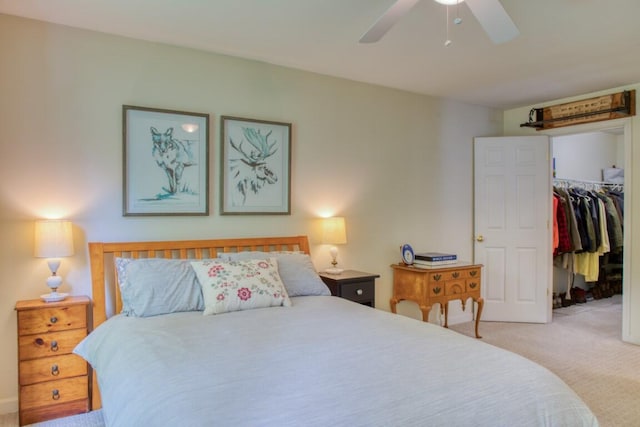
240, 285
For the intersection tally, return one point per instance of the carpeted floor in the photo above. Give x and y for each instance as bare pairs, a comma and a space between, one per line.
582, 346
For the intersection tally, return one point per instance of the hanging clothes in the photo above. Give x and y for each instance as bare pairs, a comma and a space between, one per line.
589, 219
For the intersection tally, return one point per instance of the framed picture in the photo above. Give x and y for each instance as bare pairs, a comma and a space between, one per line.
256, 167
166, 162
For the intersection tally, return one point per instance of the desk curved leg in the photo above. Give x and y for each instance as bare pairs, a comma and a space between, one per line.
445, 307
480, 302
425, 312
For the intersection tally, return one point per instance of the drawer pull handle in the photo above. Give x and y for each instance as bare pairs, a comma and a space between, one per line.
53, 319
437, 277
39, 341
55, 371
436, 290
455, 275
55, 394
54, 345
359, 292
473, 273
473, 285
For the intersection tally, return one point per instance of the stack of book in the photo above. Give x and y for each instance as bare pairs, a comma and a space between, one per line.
434, 259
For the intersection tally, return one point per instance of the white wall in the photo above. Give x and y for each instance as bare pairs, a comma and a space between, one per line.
397, 165
583, 156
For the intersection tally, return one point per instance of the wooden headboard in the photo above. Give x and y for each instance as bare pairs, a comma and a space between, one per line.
101, 257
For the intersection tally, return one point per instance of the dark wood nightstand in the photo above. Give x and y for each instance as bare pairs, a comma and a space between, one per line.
356, 286
54, 382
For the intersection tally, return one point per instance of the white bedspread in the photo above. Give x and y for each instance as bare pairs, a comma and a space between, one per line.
324, 361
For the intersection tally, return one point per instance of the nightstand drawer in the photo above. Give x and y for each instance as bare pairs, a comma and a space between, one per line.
54, 392
52, 319
356, 286
48, 412
363, 291
52, 368
49, 344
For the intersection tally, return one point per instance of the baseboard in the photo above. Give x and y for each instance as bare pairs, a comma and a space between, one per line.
9, 405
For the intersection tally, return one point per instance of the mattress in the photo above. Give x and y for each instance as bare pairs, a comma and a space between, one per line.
323, 361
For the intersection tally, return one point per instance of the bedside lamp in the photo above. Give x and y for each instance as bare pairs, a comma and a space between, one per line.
334, 233
53, 240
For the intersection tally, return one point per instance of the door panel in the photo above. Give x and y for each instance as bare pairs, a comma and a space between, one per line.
513, 235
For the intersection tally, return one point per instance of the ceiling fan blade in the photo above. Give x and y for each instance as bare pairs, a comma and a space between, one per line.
494, 19
387, 20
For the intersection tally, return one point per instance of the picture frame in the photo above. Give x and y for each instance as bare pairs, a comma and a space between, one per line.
256, 167
165, 162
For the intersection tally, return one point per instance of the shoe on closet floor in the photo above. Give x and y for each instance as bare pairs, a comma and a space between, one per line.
564, 302
579, 295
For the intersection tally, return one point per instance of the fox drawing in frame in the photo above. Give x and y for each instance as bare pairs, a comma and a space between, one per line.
172, 155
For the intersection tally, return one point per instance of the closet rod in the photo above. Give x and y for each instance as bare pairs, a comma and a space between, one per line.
584, 182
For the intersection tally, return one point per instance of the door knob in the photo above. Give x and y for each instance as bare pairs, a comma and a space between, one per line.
480, 238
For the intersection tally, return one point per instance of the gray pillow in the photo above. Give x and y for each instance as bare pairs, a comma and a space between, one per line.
296, 271
153, 286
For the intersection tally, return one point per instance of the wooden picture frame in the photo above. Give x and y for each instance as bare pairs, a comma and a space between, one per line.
256, 167
165, 162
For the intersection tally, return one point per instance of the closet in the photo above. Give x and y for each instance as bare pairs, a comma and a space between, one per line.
588, 216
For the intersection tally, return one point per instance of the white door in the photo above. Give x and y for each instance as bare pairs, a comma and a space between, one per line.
513, 229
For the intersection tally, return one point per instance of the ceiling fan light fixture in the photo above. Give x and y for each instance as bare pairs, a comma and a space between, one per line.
449, 2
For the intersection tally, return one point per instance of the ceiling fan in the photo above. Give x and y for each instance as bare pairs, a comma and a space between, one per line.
489, 13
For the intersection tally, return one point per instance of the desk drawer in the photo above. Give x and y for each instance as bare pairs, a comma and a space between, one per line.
52, 368
455, 287
473, 285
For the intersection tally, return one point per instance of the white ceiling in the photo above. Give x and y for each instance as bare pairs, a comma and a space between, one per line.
565, 47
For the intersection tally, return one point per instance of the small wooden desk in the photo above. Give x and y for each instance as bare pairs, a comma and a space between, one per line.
426, 287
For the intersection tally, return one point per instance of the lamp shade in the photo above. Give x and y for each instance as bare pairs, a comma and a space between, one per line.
334, 231
53, 239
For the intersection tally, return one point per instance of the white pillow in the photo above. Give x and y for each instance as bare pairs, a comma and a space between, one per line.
296, 270
240, 285
153, 286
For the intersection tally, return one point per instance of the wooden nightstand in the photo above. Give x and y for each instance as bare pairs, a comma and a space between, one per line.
353, 285
53, 381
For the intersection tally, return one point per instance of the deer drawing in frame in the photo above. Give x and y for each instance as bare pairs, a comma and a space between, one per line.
172, 156
250, 172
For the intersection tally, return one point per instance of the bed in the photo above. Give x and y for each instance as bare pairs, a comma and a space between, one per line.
313, 359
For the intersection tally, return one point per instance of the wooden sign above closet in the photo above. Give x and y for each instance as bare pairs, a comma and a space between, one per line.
605, 107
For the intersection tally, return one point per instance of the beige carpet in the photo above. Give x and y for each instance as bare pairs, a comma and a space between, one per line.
582, 346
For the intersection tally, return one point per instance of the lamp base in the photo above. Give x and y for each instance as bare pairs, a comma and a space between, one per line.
54, 297
334, 270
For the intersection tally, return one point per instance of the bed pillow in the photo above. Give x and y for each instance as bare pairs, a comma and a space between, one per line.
153, 286
296, 270
240, 285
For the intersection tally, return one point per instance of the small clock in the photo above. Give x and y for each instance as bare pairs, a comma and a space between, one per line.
407, 253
